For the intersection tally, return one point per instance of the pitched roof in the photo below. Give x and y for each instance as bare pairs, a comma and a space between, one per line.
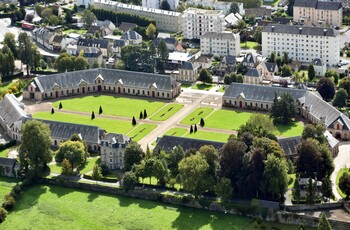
252, 73
10, 162
99, 43
249, 58
57, 39
111, 76
115, 138
258, 12
289, 145
324, 5
64, 130
221, 35
229, 60
189, 66
124, 26
317, 62
305, 30
168, 143
270, 66
11, 110
119, 43
93, 29
332, 141
131, 35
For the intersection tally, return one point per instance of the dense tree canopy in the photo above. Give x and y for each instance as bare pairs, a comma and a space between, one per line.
88, 18
344, 184
283, 108
311, 73
340, 98
309, 158
133, 155
205, 76
326, 88
74, 151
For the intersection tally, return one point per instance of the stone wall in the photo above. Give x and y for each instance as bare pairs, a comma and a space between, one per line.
300, 208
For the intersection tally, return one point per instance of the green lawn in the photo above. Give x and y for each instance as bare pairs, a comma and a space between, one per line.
222, 89
291, 130
166, 112
91, 161
340, 173
202, 86
117, 106
273, 3
195, 116
141, 131
74, 31
210, 136
115, 126
52, 207
3, 153
7, 85
186, 85
227, 119
6, 185
178, 132
291, 178
271, 225
250, 45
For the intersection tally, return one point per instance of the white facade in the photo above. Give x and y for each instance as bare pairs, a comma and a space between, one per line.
218, 5
197, 22
156, 3
224, 43
303, 44
165, 20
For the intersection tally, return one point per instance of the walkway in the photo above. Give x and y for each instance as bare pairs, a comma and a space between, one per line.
342, 159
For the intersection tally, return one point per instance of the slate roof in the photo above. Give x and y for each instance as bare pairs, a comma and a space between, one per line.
316, 106
9, 162
64, 130
258, 12
111, 76
99, 43
270, 66
131, 35
317, 62
189, 66
229, 60
115, 138
11, 110
168, 143
125, 26
93, 29
305, 30
332, 141
281, 20
169, 41
289, 145
249, 58
221, 35
57, 39
324, 5
119, 43
252, 73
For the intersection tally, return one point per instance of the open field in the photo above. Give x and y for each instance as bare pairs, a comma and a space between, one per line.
52, 207
166, 112
141, 131
291, 130
227, 119
340, 173
116, 126
116, 106
6, 185
178, 132
195, 116
210, 136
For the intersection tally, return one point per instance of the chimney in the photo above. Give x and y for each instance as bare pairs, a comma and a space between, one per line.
272, 28
324, 32
300, 30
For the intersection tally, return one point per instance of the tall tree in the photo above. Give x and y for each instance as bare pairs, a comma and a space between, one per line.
311, 192
7, 61
205, 76
256, 171
309, 158
80, 63
344, 184
326, 88
88, 18
67, 168
345, 84
96, 172
133, 155
74, 151
10, 41
64, 62
164, 5
296, 190
163, 56
151, 31
331, 73
327, 190
290, 7
224, 188
314, 132
340, 98
129, 181
159, 170
234, 8
323, 223
311, 73
25, 48
173, 159
34, 151
211, 156
283, 108
194, 171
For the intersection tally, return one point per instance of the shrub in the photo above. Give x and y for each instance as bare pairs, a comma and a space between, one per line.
186, 199
9, 202
3, 214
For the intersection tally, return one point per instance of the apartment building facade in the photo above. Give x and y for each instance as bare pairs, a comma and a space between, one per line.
302, 43
157, 3
220, 43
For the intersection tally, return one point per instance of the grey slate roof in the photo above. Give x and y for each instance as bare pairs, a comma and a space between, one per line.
64, 130
258, 12
270, 66
221, 35
249, 58
93, 29
169, 41
119, 43
289, 145
309, 100
110, 76
115, 138
9, 162
131, 35
252, 73
305, 30
168, 143
324, 5
317, 62
124, 26
332, 141
99, 43
11, 110
189, 66
229, 60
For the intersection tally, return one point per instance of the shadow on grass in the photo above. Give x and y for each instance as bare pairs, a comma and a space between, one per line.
203, 86
283, 128
30, 198
92, 197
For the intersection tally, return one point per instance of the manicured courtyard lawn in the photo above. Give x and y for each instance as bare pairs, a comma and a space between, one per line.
3, 153
202, 86
6, 185
210, 136
186, 85
52, 207
141, 131
166, 112
227, 119
222, 89
111, 125
74, 31
340, 173
250, 45
91, 161
195, 116
271, 225
178, 132
291, 130
117, 106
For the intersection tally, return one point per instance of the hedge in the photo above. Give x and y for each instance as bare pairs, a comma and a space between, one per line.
104, 179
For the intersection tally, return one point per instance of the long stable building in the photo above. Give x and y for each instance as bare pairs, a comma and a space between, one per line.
308, 104
102, 80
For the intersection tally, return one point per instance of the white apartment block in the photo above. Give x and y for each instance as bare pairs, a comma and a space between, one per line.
222, 43
157, 3
218, 5
319, 13
197, 22
302, 43
165, 20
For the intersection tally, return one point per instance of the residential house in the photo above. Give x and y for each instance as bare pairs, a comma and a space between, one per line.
168, 143
126, 26
267, 70
118, 82
302, 43
319, 13
309, 105
72, 48
106, 27
59, 43
204, 61
112, 150
220, 43
304, 184
259, 13
250, 60
197, 22
101, 44
9, 167
171, 43
227, 65
177, 59
93, 56
188, 72
319, 67
232, 19
132, 37
118, 45
252, 76
44, 37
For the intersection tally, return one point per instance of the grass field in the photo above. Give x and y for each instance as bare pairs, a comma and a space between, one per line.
227, 119
210, 136
116, 126
51, 207
178, 132
74, 31
195, 116
202, 86
186, 85
117, 106
3, 153
141, 131
166, 112
340, 173
91, 161
222, 89
250, 45
291, 130
6, 185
